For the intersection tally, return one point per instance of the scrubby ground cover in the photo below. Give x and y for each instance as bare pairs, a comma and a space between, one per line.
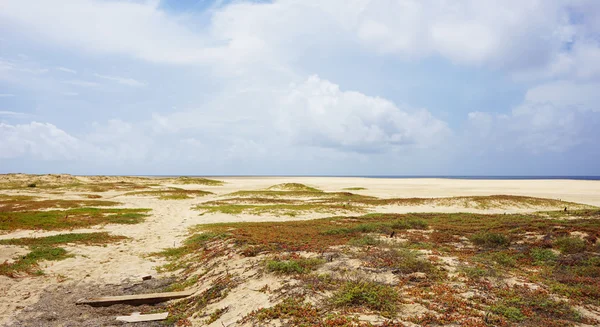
12, 203
293, 199
396, 270
69, 219
46, 248
171, 193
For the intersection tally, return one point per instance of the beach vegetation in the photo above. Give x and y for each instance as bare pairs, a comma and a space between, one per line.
198, 181
171, 194
45, 248
14, 203
69, 219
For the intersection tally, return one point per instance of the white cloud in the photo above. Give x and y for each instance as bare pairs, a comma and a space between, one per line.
81, 83
136, 29
122, 80
38, 140
318, 113
66, 70
512, 33
554, 117
21, 67
6, 95
13, 114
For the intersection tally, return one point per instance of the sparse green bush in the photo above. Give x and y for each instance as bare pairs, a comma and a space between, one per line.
504, 258
32, 185
409, 224
478, 272
490, 240
294, 266
570, 245
542, 256
403, 261
510, 313
375, 296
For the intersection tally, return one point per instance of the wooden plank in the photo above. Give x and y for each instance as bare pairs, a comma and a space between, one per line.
137, 317
134, 299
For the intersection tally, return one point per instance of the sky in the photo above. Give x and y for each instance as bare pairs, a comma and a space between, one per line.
300, 87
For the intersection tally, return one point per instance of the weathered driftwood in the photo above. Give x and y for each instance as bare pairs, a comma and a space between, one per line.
137, 317
137, 299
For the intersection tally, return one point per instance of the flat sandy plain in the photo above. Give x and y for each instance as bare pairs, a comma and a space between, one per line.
248, 280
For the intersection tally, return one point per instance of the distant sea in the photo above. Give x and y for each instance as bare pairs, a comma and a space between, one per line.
580, 178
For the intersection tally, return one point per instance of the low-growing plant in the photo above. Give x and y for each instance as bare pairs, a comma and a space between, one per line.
44, 248
216, 315
478, 272
361, 293
294, 265
198, 181
68, 219
503, 258
570, 245
542, 256
401, 261
510, 313
535, 306
490, 240
366, 240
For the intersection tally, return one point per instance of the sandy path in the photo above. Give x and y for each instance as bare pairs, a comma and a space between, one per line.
167, 226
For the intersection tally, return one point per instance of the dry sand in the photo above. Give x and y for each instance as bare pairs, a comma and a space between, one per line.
167, 226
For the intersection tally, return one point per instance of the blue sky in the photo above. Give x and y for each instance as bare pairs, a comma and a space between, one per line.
360, 87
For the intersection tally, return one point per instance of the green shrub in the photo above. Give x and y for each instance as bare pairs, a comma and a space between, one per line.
478, 272
542, 256
293, 266
403, 261
409, 224
372, 295
570, 245
510, 313
504, 259
490, 240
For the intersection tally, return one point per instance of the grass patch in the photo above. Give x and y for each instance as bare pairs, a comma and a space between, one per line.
172, 194
75, 238
478, 272
293, 310
318, 234
43, 248
296, 265
28, 263
510, 313
354, 188
490, 240
28, 203
198, 181
69, 219
293, 187
291, 210
380, 227
570, 245
534, 307
401, 261
541, 256
366, 294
